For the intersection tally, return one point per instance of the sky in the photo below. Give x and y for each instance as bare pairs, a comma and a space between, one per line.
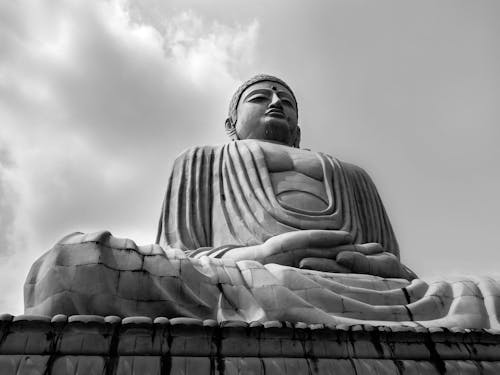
98, 97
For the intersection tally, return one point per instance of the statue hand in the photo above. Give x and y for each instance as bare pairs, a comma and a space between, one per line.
369, 258
290, 248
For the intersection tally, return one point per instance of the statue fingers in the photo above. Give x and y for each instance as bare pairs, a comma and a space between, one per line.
322, 264
303, 239
320, 252
359, 258
287, 241
328, 238
293, 257
383, 264
285, 259
370, 248
355, 261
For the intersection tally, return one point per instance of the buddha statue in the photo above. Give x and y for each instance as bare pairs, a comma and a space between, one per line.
263, 198
258, 229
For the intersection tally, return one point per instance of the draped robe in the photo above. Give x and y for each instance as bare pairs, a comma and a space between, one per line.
221, 197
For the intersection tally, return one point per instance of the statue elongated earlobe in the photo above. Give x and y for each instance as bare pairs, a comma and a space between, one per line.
231, 129
296, 139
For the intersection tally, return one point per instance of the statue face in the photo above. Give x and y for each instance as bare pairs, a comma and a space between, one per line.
267, 111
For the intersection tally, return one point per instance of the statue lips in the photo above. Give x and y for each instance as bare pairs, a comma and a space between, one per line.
274, 112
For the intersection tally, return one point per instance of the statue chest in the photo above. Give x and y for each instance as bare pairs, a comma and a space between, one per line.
297, 177
299, 191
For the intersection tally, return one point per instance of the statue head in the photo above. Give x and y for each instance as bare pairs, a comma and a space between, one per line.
264, 107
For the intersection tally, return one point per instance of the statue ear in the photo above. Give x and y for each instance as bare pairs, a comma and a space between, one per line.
231, 129
296, 140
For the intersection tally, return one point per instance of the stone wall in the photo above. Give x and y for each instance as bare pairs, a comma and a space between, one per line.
84, 344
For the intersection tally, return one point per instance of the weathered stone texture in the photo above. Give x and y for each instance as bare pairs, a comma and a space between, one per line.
170, 283
138, 345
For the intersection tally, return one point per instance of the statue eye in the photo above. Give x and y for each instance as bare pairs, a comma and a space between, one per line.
258, 98
288, 102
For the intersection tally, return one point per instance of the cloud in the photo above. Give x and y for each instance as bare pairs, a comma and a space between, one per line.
94, 105
8, 200
219, 52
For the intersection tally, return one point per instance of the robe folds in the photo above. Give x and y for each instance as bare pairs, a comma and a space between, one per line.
98, 274
222, 196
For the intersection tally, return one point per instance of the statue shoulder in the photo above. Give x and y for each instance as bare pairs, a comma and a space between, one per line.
353, 168
196, 151
352, 171
346, 166
355, 172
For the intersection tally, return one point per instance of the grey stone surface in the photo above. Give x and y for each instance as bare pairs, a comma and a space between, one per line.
222, 290
192, 347
78, 365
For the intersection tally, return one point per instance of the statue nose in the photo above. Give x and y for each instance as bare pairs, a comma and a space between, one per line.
275, 101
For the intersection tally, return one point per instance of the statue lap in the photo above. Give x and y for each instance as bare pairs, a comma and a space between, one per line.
98, 274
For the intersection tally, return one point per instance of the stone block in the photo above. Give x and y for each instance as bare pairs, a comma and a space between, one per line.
486, 352
9, 363
86, 334
190, 337
271, 338
365, 344
28, 334
286, 365
238, 341
78, 365
242, 365
409, 350
489, 368
336, 366
23, 364
139, 365
194, 366
451, 350
139, 336
329, 343
275, 365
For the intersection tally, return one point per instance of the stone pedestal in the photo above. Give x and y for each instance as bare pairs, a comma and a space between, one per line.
84, 344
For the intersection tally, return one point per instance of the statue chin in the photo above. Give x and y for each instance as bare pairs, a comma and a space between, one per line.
277, 132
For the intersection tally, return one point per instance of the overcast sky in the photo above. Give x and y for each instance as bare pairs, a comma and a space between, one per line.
97, 99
